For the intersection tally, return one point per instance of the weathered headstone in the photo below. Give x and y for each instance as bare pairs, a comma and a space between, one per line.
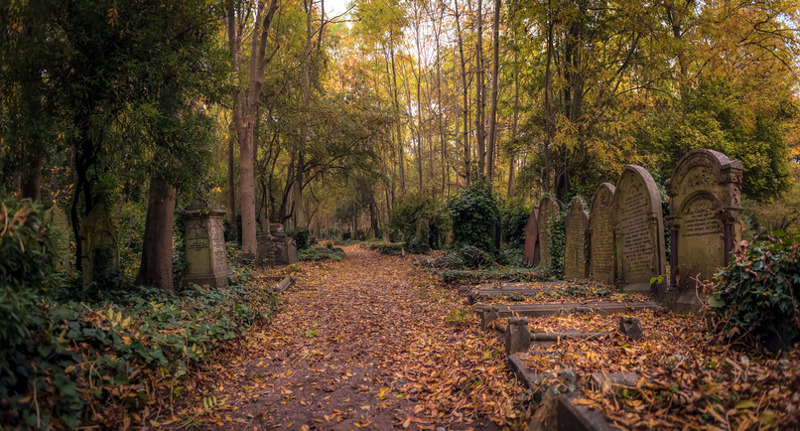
205, 246
601, 234
532, 237
548, 210
99, 236
518, 335
705, 217
276, 249
576, 245
57, 223
639, 231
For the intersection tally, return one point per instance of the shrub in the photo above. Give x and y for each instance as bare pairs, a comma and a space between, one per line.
391, 248
415, 246
558, 241
757, 295
473, 213
321, 253
420, 217
300, 236
514, 216
474, 258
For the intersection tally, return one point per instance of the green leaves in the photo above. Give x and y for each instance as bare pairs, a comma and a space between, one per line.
473, 213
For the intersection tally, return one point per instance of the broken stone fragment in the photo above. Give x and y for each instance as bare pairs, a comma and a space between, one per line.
518, 336
629, 326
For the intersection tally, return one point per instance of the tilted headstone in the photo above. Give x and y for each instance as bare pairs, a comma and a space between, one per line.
99, 236
205, 246
705, 217
57, 223
639, 230
532, 237
276, 249
576, 246
602, 260
548, 210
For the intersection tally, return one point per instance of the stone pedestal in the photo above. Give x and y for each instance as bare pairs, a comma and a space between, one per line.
205, 246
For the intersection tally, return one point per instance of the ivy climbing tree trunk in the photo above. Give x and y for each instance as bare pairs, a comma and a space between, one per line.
156, 266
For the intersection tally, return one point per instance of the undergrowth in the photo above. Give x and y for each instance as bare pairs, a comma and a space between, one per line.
321, 253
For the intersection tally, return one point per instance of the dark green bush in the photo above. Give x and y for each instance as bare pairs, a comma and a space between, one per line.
474, 258
420, 217
756, 297
473, 213
300, 236
321, 253
415, 246
558, 241
391, 248
514, 216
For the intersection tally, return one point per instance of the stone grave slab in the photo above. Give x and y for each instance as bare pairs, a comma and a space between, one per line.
531, 249
548, 210
99, 236
498, 289
490, 312
705, 221
576, 247
205, 246
638, 231
602, 259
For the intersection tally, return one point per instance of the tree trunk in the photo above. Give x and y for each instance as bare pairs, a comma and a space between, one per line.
465, 95
548, 108
232, 180
514, 122
156, 267
479, 103
495, 71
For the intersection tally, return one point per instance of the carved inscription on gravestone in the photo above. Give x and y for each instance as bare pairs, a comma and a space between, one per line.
639, 228
548, 210
705, 220
576, 227
601, 233
532, 237
205, 246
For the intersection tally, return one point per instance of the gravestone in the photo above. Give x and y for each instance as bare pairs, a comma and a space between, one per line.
705, 218
601, 234
99, 236
532, 237
576, 246
548, 210
639, 231
205, 246
276, 249
58, 226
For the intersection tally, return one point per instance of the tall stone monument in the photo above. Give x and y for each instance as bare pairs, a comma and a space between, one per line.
704, 221
548, 210
576, 247
205, 246
639, 231
531, 248
57, 224
601, 235
99, 236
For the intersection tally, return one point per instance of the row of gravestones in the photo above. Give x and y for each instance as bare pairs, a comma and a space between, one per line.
205, 245
620, 239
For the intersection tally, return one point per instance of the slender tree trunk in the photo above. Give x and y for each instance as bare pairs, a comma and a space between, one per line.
400, 152
419, 97
232, 178
465, 95
548, 108
495, 78
156, 266
479, 103
514, 121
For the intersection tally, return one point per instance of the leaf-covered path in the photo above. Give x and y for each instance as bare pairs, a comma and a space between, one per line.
365, 343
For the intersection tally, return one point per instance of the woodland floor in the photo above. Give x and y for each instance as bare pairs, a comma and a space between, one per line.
366, 343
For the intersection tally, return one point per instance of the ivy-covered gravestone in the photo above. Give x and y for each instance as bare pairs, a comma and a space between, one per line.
99, 236
548, 210
576, 247
57, 224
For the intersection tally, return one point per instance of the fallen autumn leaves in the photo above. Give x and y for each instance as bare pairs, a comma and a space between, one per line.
364, 343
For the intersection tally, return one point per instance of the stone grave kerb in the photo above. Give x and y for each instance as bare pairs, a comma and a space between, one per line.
639, 232
548, 210
602, 246
532, 237
704, 198
576, 245
206, 257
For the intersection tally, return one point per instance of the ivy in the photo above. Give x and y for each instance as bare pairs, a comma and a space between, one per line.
473, 213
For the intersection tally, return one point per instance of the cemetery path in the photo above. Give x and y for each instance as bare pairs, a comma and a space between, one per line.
367, 343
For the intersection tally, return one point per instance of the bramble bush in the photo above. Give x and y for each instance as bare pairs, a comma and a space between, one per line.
473, 213
755, 298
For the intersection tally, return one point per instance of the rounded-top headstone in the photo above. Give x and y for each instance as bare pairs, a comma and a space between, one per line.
548, 210
601, 234
704, 221
576, 246
531, 249
639, 229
